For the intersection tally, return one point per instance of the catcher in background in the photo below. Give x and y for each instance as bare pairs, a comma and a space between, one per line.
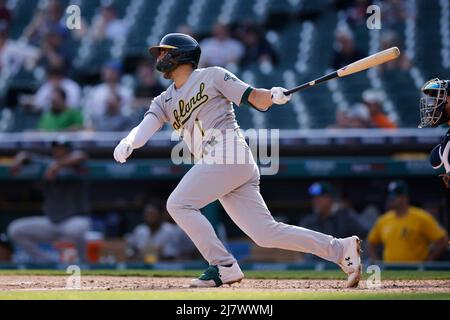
434, 111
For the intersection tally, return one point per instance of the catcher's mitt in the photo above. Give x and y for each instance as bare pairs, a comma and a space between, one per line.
446, 179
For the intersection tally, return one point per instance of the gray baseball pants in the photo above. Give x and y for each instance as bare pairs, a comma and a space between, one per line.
236, 186
28, 232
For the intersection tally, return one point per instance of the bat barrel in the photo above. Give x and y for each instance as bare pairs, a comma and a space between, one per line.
370, 61
357, 66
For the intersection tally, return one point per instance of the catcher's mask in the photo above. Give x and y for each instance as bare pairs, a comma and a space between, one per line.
181, 48
433, 103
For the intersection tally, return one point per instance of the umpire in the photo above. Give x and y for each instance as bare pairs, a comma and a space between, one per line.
65, 203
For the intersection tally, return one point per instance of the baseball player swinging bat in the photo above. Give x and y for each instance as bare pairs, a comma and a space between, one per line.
357, 66
199, 104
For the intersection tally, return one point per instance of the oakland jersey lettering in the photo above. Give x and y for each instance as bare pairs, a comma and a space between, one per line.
185, 109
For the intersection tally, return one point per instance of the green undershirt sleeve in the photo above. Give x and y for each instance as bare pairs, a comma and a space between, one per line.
244, 100
245, 96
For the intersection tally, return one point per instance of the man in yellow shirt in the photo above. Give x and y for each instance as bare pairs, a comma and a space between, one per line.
407, 233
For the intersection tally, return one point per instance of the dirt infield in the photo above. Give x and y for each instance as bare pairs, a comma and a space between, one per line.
32, 283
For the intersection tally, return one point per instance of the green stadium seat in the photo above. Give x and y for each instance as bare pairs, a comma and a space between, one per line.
136, 42
209, 16
89, 9
353, 86
399, 86
25, 120
178, 15
243, 10
428, 40
244, 117
23, 13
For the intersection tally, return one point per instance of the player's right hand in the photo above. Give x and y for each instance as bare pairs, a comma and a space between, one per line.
278, 96
123, 151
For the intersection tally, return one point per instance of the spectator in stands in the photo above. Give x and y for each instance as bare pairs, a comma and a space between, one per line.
60, 117
402, 63
329, 216
54, 50
186, 29
65, 205
97, 98
157, 239
112, 119
220, 49
344, 49
5, 13
147, 86
14, 54
44, 20
11, 57
373, 99
356, 12
395, 12
107, 25
56, 78
359, 116
407, 233
257, 49
342, 119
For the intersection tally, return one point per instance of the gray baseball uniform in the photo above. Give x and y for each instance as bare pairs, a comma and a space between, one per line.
202, 110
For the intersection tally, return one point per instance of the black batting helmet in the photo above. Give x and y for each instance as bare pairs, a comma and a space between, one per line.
182, 49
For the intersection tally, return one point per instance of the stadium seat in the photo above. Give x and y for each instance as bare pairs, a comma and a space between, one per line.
320, 14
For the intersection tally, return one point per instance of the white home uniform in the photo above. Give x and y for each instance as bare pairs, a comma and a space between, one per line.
204, 103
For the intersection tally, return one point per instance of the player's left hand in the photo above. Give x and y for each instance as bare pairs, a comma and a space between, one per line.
123, 151
278, 96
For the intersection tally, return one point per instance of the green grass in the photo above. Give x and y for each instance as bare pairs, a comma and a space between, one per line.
225, 295
291, 274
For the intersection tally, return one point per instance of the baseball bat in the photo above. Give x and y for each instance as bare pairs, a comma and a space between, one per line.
357, 66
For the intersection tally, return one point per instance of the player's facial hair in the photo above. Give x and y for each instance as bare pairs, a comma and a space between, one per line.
167, 75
